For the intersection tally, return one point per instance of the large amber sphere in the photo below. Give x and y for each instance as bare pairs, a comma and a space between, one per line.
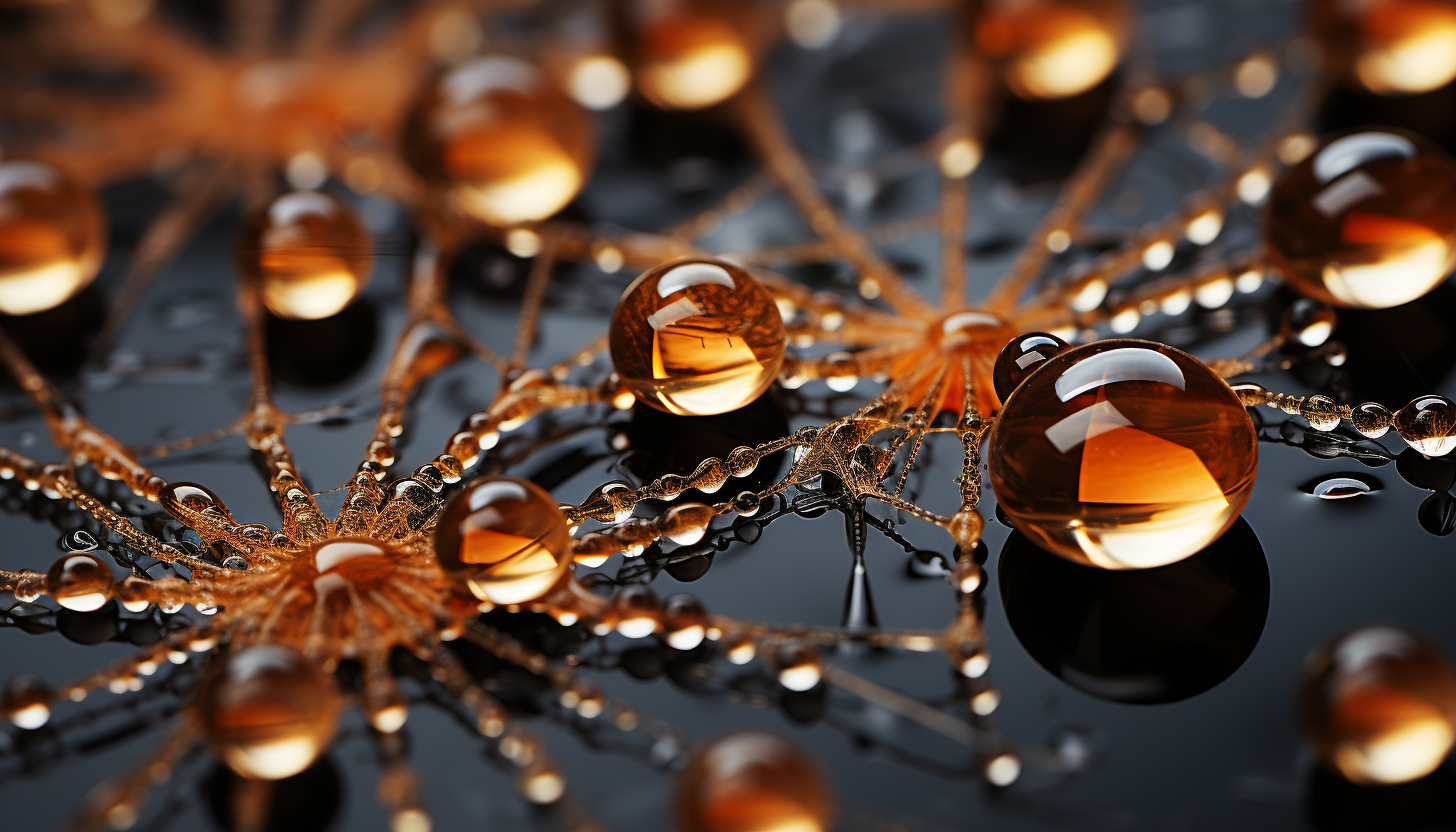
506, 140
1123, 454
1388, 47
1378, 705
310, 254
688, 58
752, 781
1368, 220
1049, 49
696, 337
506, 538
267, 712
52, 237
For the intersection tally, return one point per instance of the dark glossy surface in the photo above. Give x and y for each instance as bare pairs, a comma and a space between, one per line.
1147, 637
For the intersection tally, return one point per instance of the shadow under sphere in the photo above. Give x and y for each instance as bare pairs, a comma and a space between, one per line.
1140, 637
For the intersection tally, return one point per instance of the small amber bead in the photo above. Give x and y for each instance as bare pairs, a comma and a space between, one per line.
688, 59
506, 140
1372, 419
1308, 322
1428, 424
80, 581
51, 237
697, 338
1388, 47
1051, 49
1379, 705
686, 524
752, 781
1124, 455
799, 666
637, 611
1365, 221
1020, 357
267, 712
26, 701
1321, 412
310, 253
684, 621
182, 498
506, 538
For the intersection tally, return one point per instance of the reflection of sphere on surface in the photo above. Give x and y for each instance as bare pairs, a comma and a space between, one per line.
51, 237
306, 802
752, 781
506, 538
1123, 454
1052, 48
1145, 637
310, 254
1378, 705
513, 147
696, 338
323, 352
267, 712
691, 61
1389, 47
1367, 220
662, 443
1334, 804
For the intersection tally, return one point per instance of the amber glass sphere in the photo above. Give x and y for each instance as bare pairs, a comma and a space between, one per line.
752, 781
1050, 49
1378, 705
1020, 358
1368, 220
52, 237
506, 538
80, 581
503, 137
1388, 47
688, 59
266, 712
1123, 454
310, 254
696, 337
26, 701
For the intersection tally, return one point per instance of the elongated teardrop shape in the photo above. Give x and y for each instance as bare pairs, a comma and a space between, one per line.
268, 713
310, 253
1428, 424
52, 237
